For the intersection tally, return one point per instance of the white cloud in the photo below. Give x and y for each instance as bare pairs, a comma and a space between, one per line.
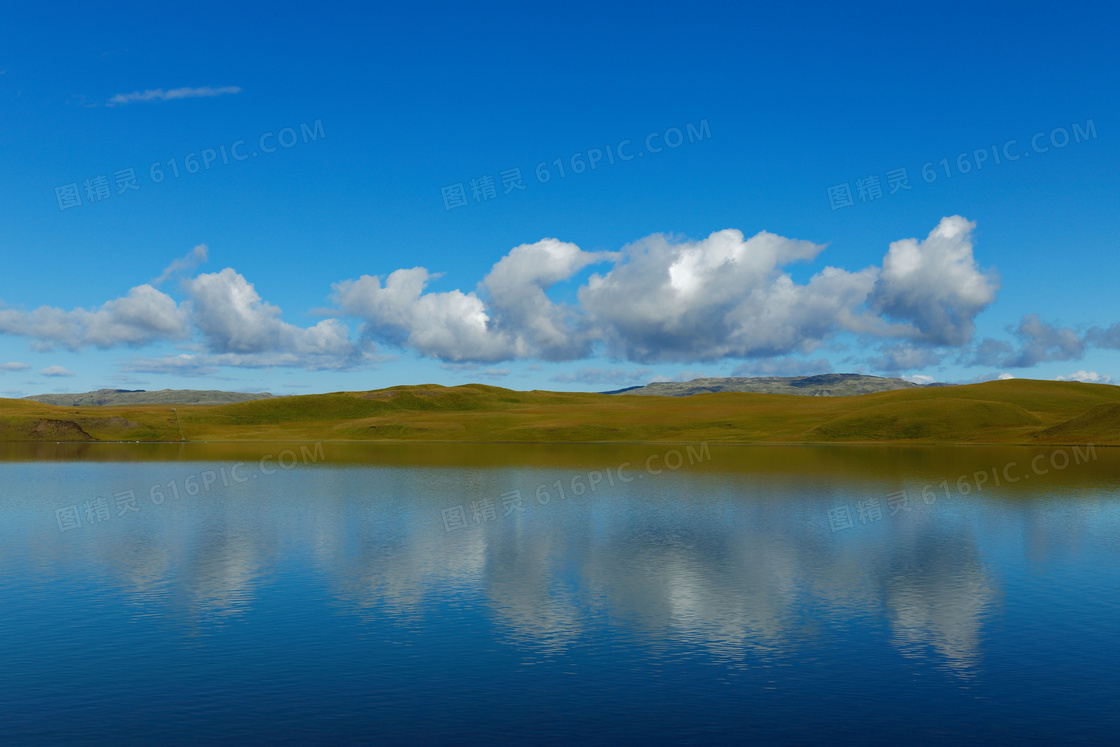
1005, 377
56, 371
516, 287
517, 319
158, 94
659, 299
14, 367
670, 300
194, 258
145, 315
1088, 377
238, 325
719, 297
448, 325
935, 284
921, 379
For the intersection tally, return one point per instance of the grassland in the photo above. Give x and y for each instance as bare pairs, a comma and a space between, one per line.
822, 385
999, 412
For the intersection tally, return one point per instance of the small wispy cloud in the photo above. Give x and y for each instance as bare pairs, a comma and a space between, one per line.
1086, 377
601, 376
194, 258
475, 369
182, 365
683, 376
56, 371
785, 366
158, 94
13, 366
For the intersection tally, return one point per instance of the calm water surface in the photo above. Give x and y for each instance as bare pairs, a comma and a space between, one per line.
460, 594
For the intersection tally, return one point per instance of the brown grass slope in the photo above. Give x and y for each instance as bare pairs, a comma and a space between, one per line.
1014, 411
1101, 422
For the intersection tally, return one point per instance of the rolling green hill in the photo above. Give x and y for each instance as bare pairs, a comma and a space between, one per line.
1016, 411
823, 385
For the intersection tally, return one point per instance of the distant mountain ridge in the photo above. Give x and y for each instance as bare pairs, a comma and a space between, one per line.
822, 385
143, 397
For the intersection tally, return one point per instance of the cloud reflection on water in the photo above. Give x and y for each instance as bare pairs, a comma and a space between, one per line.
739, 566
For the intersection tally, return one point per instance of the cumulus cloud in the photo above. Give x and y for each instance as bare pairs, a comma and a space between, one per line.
512, 318
236, 326
516, 288
660, 299
13, 366
243, 329
194, 258
145, 315
1087, 377
905, 356
56, 371
1038, 342
448, 325
1045, 342
935, 284
663, 299
987, 352
1105, 338
158, 94
723, 296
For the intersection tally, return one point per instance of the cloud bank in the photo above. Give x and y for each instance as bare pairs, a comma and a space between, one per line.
667, 300
661, 299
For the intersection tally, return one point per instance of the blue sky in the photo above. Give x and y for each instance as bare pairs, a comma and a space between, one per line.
326, 245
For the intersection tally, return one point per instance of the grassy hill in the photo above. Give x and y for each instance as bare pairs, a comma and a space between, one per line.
1015, 411
822, 385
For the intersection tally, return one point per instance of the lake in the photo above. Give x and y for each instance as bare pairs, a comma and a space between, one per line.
550, 594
